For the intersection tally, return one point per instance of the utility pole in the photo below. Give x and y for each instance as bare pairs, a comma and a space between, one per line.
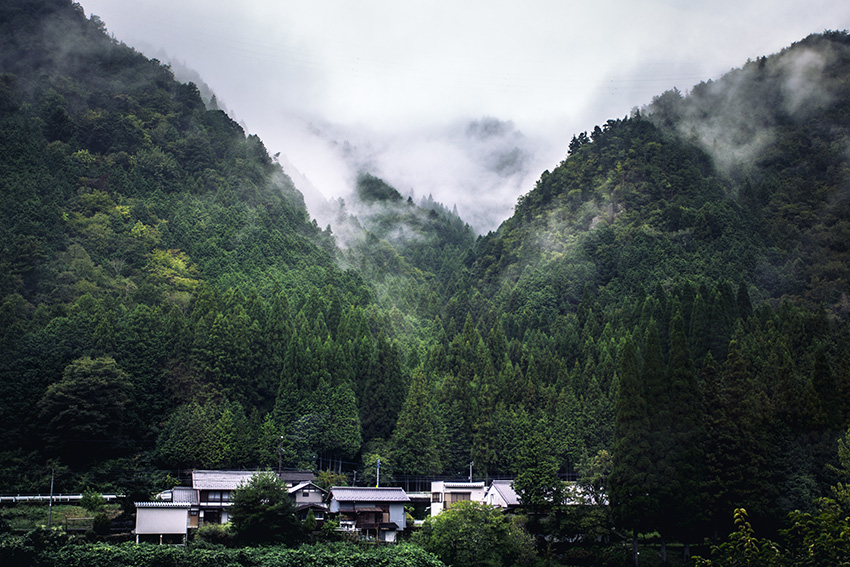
279, 455
470, 471
378, 476
50, 506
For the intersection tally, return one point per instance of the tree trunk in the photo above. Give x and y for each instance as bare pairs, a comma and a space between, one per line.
687, 553
663, 551
635, 547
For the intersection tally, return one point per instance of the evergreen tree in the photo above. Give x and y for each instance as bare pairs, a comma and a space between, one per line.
680, 496
740, 471
631, 482
659, 407
415, 441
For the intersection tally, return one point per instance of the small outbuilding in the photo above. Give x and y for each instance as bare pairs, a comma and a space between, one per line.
162, 522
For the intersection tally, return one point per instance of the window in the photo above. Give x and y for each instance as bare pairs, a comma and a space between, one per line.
453, 497
215, 496
436, 497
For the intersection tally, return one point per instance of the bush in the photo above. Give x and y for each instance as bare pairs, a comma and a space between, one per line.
219, 534
471, 534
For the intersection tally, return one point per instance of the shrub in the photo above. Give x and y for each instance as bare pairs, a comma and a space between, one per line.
220, 534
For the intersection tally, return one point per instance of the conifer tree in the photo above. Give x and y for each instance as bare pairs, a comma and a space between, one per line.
659, 405
680, 496
415, 442
740, 470
630, 482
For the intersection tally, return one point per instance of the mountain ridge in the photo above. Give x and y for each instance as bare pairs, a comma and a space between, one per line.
161, 277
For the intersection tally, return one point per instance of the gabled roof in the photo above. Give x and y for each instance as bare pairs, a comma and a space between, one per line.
220, 480
296, 477
184, 494
469, 485
368, 494
506, 490
304, 485
314, 505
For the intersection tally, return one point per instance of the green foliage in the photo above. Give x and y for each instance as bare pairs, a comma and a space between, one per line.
92, 501
87, 407
22, 551
262, 512
101, 524
416, 436
165, 300
310, 522
743, 548
328, 478
216, 534
471, 534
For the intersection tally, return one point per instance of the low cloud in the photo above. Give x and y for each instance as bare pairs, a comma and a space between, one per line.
480, 166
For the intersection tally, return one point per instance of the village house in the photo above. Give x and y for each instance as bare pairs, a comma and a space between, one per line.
445, 494
207, 501
309, 496
373, 512
501, 494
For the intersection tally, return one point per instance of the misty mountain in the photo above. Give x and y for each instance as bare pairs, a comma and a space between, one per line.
478, 165
744, 179
673, 294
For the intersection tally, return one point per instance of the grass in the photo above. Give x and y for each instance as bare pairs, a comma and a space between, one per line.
25, 517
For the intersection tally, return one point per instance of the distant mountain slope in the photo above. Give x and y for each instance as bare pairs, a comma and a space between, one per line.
106, 152
146, 240
744, 179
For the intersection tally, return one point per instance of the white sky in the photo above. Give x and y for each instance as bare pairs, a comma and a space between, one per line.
396, 77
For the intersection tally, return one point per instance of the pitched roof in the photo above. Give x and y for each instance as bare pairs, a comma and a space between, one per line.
304, 485
184, 494
464, 484
506, 490
368, 494
296, 477
220, 480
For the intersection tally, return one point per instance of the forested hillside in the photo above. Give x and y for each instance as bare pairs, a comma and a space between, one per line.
665, 311
682, 274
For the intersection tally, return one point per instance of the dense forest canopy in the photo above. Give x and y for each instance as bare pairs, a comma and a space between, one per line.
672, 294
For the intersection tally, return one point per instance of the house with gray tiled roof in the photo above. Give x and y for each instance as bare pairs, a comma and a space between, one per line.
372, 511
309, 496
501, 494
207, 501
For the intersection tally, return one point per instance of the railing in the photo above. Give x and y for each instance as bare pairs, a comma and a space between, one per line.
55, 498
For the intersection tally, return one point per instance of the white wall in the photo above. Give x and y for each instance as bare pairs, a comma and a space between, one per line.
162, 520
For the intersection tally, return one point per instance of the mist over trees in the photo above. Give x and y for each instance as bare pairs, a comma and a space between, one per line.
669, 301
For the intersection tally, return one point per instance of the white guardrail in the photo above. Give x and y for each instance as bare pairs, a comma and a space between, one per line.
55, 497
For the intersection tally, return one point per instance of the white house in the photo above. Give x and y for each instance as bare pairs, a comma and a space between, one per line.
308, 496
445, 494
208, 501
501, 494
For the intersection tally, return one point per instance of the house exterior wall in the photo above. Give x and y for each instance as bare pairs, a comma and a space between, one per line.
398, 516
162, 520
312, 497
444, 494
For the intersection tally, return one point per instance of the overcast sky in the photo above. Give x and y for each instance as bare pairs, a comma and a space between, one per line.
399, 80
